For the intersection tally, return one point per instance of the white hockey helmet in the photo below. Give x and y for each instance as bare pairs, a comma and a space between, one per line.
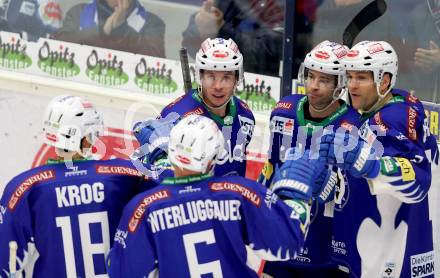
219, 55
326, 58
378, 57
195, 144
67, 120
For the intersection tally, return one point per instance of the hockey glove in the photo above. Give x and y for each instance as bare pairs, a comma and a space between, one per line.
324, 189
348, 153
153, 137
295, 179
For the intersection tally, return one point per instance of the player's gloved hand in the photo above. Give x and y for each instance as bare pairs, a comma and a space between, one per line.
324, 189
295, 179
349, 153
153, 136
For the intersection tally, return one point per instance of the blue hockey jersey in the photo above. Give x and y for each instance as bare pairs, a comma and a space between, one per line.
237, 128
201, 226
382, 226
289, 129
63, 217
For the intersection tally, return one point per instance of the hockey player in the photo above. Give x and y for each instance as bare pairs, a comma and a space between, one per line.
381, 222
195, 225
219, 70
63, 216
298, 121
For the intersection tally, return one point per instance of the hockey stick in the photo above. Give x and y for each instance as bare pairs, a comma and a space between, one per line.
185, 69
12, 259
368, 14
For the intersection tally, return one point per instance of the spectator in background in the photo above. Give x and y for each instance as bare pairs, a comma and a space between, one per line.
256, 26
426, 56
31, 19
116, 24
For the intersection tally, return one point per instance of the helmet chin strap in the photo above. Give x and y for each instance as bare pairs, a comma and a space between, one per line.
200, 92
335, 98
380, 100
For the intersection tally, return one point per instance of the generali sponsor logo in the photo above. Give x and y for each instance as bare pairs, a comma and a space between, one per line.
139, 212
117, 170
412, 116
27, 184
197, 111
283, 105
233, 187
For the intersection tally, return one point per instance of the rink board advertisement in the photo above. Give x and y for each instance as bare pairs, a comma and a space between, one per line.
432, 111
121, 70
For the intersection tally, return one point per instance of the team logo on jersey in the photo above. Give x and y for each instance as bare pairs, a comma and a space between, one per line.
246, 125
412, 116
27, 184
401, 137
282, 125
233, 187
120, 237
422, 265
270, 198
138, 213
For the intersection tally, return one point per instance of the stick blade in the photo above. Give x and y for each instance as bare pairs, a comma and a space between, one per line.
368, 14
